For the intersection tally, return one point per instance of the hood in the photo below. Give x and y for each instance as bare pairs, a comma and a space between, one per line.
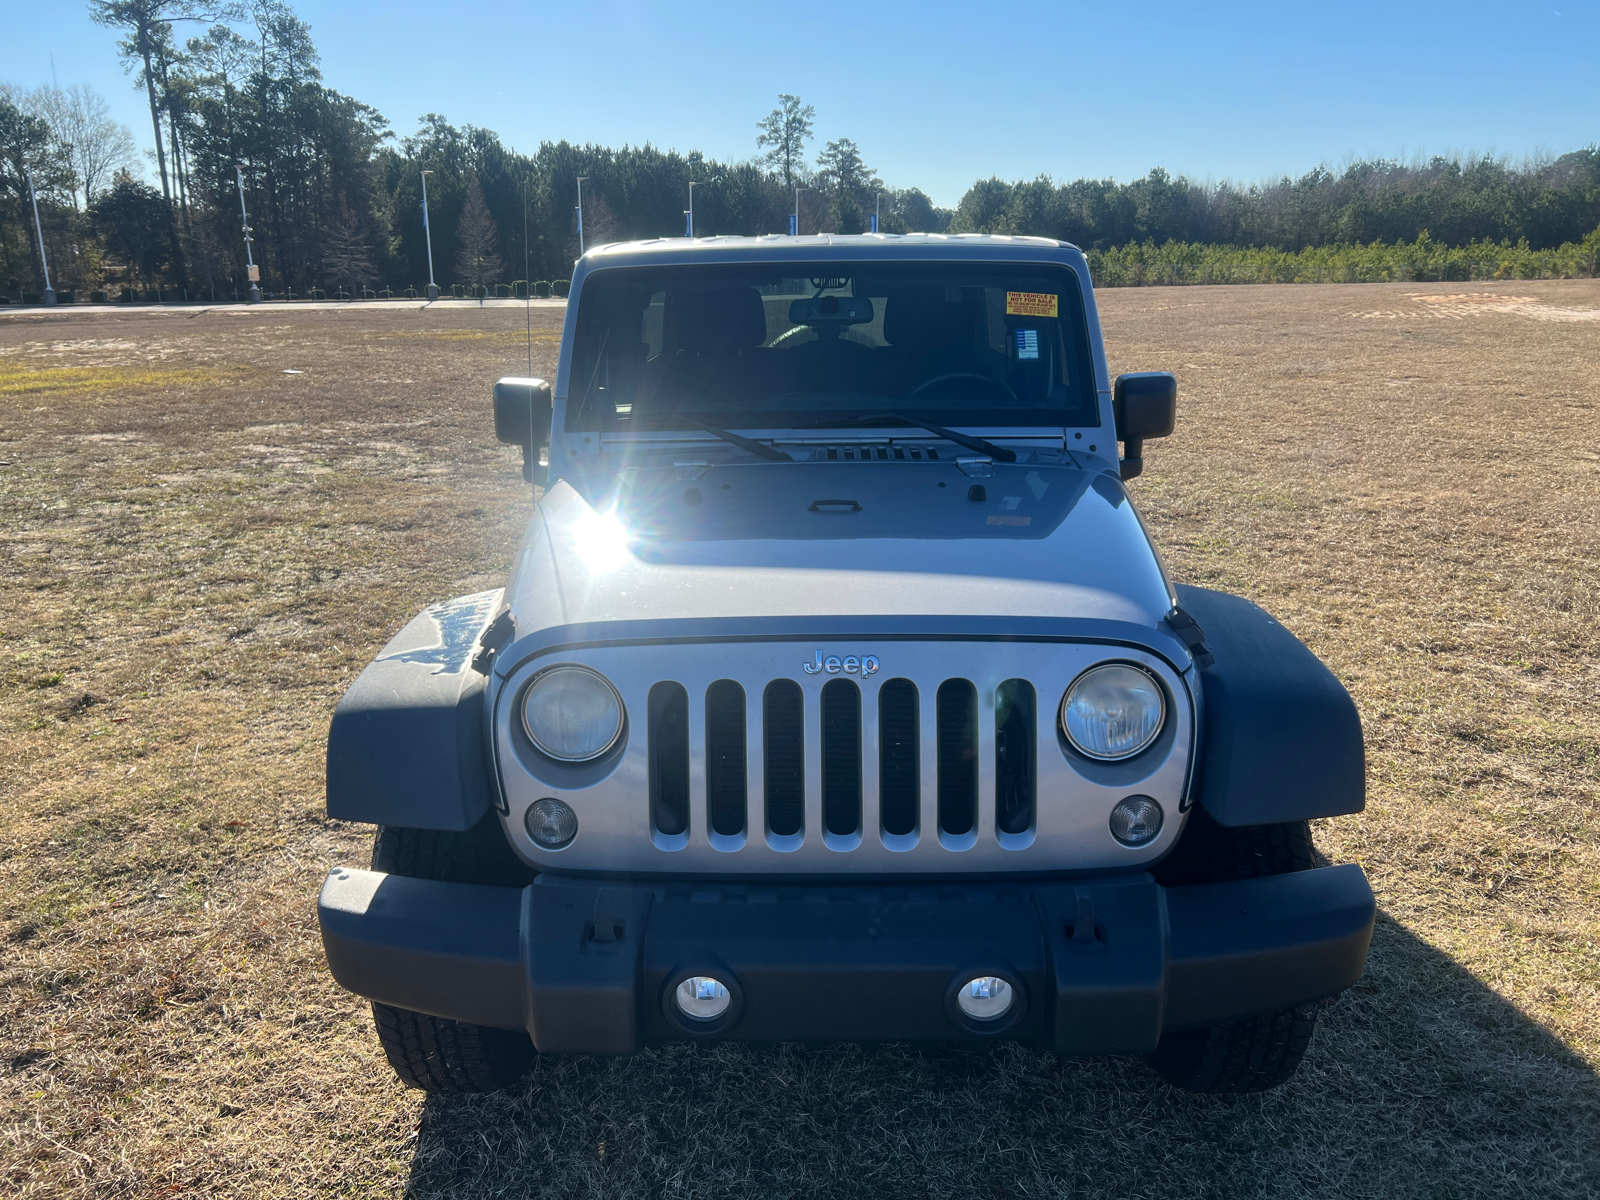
826, 539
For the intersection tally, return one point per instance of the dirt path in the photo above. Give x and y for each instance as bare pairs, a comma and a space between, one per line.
212, 518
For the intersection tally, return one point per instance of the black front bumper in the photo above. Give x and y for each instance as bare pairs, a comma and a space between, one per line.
1099, 967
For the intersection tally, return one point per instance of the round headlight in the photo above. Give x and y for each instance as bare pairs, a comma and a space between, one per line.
572, 713
1113, 712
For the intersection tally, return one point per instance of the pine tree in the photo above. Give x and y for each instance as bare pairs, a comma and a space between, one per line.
345, 259
478, 261
786, 129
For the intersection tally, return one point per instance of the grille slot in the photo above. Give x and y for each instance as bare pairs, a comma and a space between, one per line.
668, 706
841, 757
783, 736
957, 722
725, 758
899, 785
1015, 756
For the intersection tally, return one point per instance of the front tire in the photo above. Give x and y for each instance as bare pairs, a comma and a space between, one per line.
1251, 1054
433, 1053
437, 1055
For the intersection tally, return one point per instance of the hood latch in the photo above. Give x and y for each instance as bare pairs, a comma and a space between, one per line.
1191, 635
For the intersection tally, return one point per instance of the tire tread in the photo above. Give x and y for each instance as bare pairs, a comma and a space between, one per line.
434, 1053
1251, 1054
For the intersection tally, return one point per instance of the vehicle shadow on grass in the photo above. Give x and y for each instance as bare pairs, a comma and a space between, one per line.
1419, 1082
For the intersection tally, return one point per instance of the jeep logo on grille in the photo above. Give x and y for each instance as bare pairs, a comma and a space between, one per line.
866, 665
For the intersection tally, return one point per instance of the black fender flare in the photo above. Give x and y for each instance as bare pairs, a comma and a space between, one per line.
1282, 738
407, 742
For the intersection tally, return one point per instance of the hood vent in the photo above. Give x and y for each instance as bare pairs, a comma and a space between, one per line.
858, 452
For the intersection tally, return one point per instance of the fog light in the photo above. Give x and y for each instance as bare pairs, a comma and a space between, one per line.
986, 998
551, 823
702, 998
1136, 821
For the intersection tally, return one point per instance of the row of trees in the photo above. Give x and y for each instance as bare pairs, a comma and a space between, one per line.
1455, 201
236, 95
1144, 264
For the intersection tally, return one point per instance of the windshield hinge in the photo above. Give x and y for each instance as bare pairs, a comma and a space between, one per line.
976, 468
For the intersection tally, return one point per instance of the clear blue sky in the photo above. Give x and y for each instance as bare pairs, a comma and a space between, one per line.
939, 94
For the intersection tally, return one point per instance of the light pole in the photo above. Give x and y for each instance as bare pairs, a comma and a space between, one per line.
690, 212
49, 292
252, 272
433, 288
877, 212
794, 221
581, 179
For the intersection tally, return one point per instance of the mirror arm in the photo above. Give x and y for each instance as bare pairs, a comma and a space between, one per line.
534, 471
1132, 462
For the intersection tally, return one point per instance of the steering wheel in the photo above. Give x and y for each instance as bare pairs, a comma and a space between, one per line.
994, 383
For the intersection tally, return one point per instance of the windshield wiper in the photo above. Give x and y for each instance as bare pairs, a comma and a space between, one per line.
999, 453
759, 449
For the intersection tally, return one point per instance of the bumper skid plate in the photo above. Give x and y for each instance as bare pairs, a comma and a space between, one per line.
1101, 966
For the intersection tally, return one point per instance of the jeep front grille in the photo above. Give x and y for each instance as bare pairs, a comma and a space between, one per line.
736, 760
840, 726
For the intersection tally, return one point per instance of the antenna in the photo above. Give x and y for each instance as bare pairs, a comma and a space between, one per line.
527, 281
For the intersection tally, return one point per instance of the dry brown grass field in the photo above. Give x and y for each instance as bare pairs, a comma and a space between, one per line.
199, 551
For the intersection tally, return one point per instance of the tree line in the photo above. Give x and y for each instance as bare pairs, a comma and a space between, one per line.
238, 104
1455, 201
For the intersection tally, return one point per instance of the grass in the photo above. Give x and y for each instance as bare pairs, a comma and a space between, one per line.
106, 382
194, 574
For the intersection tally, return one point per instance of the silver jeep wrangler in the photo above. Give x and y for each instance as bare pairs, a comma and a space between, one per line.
838, 694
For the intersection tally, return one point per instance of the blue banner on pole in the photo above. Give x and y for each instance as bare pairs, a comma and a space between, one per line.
794, 225
688, 224
873, 219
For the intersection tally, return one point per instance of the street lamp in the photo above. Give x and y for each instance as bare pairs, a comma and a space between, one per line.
433, 288
689, 229
794, 221
252, 272
877, 212
581, 179
49, 292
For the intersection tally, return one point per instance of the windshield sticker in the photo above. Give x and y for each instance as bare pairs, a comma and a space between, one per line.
1031, 304
1028, 342
997, 519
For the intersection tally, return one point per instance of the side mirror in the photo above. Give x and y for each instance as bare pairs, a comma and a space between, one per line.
522, 418
1145, 404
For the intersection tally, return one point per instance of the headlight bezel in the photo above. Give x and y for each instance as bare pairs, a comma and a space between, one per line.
1155, 737
539, 746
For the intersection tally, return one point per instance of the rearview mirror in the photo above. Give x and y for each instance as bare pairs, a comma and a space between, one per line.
522, 418
1145, 405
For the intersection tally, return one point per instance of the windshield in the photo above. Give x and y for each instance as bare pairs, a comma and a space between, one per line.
796, 345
